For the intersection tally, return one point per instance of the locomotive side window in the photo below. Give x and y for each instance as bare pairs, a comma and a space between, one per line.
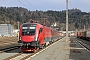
28, 30
40, 30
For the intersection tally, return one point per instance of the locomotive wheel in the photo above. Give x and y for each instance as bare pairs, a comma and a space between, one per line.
50, 42
41, 47
35, 50
45, 45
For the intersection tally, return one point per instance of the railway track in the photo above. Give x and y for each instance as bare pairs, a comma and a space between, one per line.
9, 49
83, 43
23, 56
26, 56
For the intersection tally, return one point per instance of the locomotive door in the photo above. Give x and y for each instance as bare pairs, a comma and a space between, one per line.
41, 36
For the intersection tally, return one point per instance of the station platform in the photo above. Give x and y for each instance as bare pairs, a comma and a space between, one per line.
63, 50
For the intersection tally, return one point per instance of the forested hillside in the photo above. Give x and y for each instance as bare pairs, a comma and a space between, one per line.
77, 18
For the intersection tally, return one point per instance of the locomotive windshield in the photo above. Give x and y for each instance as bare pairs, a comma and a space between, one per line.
28, 29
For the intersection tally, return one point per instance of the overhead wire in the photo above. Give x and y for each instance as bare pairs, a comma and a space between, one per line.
59, 5
22, 3
30, 4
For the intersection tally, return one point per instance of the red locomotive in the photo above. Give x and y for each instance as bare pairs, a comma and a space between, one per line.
34, 36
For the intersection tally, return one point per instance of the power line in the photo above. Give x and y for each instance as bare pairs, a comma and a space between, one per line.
22, 3
30, 4
59, 5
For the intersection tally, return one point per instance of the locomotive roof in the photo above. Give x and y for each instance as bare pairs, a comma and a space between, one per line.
39, 24
31, 23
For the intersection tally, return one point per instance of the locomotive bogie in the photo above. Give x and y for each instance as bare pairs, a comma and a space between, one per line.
34, 43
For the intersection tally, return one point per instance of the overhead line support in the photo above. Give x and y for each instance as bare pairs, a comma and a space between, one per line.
66, 20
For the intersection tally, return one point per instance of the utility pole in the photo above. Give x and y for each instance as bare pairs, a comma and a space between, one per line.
18, 30
66, 20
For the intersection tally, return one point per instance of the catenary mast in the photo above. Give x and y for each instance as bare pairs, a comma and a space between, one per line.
66, 20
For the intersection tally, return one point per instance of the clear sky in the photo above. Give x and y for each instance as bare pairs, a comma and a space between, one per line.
44, 5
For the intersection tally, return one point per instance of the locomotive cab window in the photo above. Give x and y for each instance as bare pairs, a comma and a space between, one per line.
28, 30
40, 30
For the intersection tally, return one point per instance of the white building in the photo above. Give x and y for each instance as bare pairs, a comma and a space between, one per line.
6, 30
